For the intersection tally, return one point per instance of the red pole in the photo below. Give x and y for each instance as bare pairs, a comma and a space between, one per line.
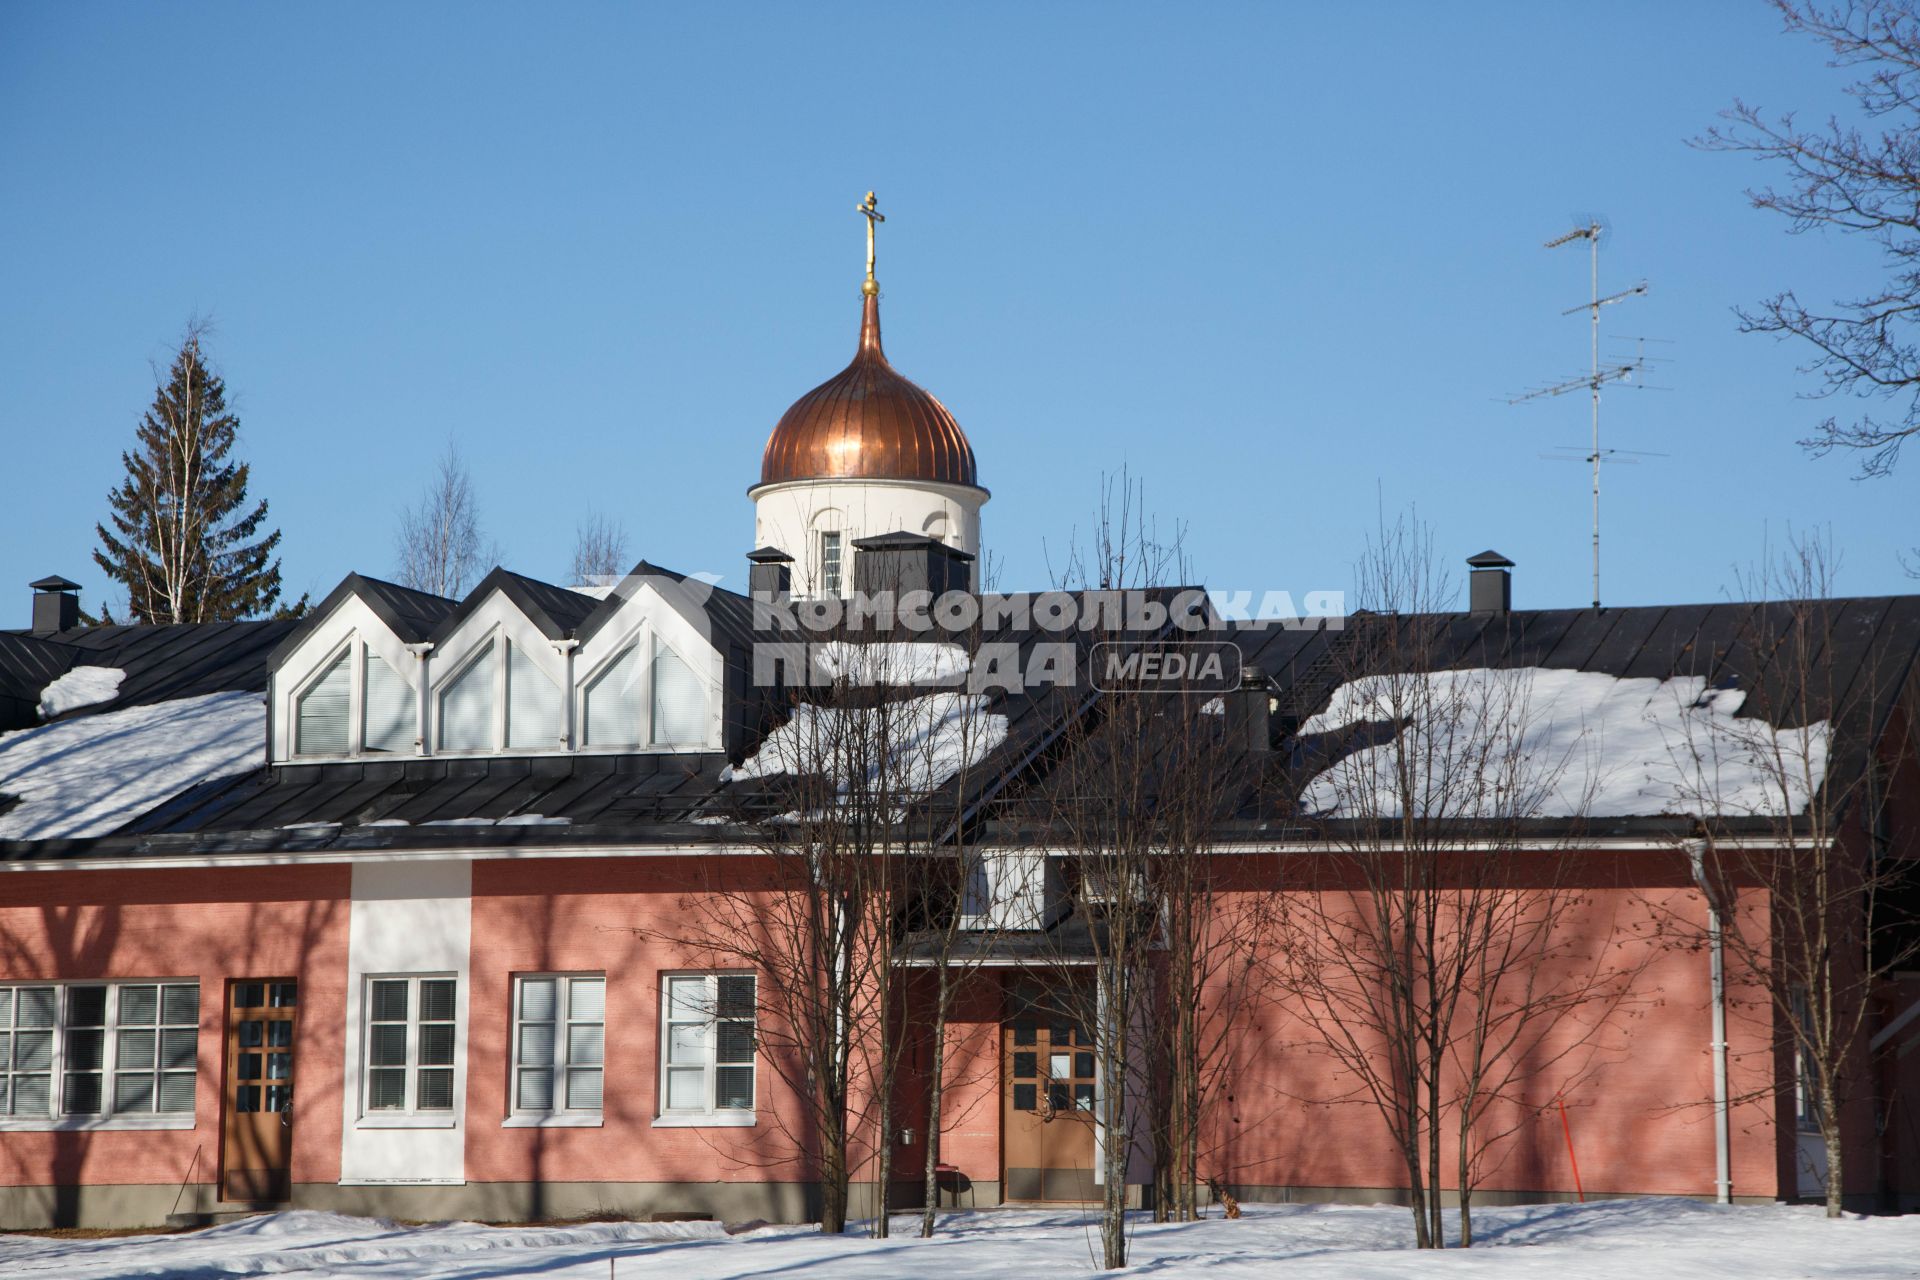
1571, 1158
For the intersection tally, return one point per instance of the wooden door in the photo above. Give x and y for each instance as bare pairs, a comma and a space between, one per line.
256, 1112
1046, 1103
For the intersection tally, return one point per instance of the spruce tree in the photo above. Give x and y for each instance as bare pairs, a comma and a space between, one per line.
184, 544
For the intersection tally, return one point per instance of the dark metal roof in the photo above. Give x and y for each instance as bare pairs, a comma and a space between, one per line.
411, 614
555, 610
54, 582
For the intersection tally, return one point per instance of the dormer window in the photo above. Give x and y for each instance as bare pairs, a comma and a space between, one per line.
469, 701
390, 712
534, 709
830, 562
636, 703
321, 710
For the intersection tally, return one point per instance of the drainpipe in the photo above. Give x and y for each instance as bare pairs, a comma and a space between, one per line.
423, 745
569, 730
1716, 948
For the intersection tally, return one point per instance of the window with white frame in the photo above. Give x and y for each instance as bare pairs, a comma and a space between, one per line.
534, 720
468, 701
648, 695
707, 1044
389, 711
409, 1045
559, 1043
679, 700
98, 1049
321, 711
830, 562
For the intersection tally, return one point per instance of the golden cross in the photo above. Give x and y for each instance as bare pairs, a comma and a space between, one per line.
871, 212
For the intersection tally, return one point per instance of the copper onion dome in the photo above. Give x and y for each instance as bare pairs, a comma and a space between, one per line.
868, 423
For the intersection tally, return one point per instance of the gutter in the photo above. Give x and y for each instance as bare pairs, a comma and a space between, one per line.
1716, 947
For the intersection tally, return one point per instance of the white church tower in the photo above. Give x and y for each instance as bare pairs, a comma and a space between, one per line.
864, 453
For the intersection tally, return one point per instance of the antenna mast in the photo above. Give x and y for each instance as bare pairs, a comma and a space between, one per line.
1592, 232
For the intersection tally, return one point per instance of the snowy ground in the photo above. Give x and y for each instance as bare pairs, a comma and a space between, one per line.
1608, 1241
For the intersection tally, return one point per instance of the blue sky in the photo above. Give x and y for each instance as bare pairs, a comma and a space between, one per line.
1281, 261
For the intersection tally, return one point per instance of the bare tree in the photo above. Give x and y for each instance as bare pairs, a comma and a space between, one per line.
1813, 903
1426, 954
599, 551
438, 545
1840, 177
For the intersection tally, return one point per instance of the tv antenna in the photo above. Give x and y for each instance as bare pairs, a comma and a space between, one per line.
1621, 370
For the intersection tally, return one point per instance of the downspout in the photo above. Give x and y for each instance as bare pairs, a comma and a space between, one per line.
1716, 950
569, 729
423, 744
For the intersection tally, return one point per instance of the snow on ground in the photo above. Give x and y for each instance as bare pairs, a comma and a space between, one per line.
932, 738
1590, 744
1602, 1241
80, 687
89, 775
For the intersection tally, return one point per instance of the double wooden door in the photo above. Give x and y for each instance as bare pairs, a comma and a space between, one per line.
256, 1113
1047, 1094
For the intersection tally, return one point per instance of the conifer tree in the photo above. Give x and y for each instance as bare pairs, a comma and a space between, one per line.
184, 545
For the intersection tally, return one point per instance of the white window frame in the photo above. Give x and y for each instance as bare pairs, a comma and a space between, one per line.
834, 584
710, 1115
349, 648
559, 1115
493, 642
1806, 1072
57, 1117
410, 1110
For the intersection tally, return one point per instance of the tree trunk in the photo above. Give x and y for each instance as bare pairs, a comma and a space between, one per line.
936, 1088
1836, 1162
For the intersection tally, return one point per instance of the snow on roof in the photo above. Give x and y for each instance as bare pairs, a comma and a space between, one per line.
893, 662
932, 737
1555, 743
91, 775
80, 687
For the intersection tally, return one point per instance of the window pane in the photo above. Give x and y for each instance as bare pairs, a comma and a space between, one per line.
248, 1067
687, 1090
1083, 1097
687, 1045
135, 1050
436, 1089
247, 1098
386, 1090
279, 1097
279, 1066
86, 1050
392, 708
536, 1091
687, 999
1025, 1098
279, 1034
86, 1006
615, 712
586, 1045
1083, 1065
533, 705
177, 1048
1025, 1066
139, 1006
679, 700
536, 999
390, 1001
249, 995
83, 1094
32, 1050
587, 999
387, 1047
32, 1096
36, 1007
466, 704
6, 1006
735, 1042
180, 1004
320, 714
436, 1045
583, 1089
251, 1033
536, 1044
176, 1091
436, 1000
736, 997
133, 1091
283, 995
735, 1085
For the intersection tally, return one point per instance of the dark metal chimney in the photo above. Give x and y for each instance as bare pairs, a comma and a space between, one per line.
769, 574
1490, 586
1250, 713
903, 562
55, 606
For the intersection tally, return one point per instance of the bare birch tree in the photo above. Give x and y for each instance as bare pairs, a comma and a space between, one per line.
1793, 791
438, 546
1425, 955
599, 551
